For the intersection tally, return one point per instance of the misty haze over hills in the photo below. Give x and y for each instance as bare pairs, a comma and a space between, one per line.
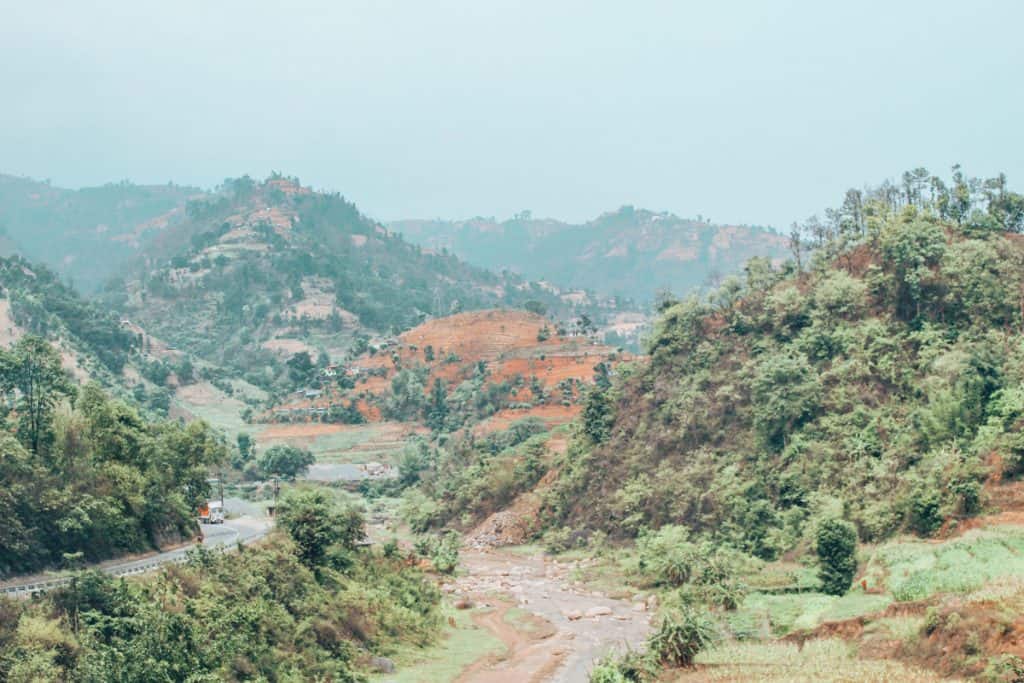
740, 397
93, 234
631, 252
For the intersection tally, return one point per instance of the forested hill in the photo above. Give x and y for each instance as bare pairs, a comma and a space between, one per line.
34, 301
881, 381
264, 267
631, 252
86, 234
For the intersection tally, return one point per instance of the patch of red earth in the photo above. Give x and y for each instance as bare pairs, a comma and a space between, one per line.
552, 415
505, 340
966, 636
311, 430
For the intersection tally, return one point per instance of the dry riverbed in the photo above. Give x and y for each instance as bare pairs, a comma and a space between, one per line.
553, 629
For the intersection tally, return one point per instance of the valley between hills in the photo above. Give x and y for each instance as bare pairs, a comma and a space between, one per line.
494, 451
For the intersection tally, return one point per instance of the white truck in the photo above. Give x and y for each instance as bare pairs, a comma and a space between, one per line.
212, 513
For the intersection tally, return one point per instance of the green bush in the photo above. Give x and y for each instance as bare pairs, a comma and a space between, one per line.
442, 551
681, 635
418, 511
926, 512
286, 461
320, 527
836, 545
666, 557
557, 541
631, 667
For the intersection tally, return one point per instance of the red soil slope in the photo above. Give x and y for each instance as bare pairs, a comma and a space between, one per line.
506, 341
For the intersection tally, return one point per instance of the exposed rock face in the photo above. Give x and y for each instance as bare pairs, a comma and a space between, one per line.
382, 665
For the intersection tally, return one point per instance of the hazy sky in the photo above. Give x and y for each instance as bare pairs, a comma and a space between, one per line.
759, 112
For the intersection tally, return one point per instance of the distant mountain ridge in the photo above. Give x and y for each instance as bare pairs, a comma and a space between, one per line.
630, 252
86, 234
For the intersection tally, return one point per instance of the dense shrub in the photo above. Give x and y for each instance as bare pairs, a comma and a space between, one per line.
286, 461
257, 614
442, 550
681, 635
96, 479
836, 545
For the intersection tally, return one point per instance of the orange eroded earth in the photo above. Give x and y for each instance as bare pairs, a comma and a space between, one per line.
506, 342
552, 415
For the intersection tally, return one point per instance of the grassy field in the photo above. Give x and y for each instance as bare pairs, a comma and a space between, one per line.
763, 615
915, 570
459, 647
981, 564
820, 661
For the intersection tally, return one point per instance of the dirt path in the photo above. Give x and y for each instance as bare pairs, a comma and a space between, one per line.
550, 637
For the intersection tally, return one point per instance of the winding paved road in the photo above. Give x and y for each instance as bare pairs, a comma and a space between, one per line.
245, 529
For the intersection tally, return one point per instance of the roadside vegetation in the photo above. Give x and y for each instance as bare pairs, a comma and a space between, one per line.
311, 603
83, 477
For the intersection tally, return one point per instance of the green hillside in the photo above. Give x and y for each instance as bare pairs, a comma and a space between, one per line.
34, 300
827, 449
260, 271
880, 383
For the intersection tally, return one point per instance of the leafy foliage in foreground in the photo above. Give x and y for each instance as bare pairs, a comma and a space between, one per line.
92, 480
879, 384
258, 614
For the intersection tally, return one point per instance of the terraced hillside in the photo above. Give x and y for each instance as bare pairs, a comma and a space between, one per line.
497, 366
261, 271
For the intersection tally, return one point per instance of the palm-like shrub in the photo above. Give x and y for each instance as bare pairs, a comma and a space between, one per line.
681, 636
